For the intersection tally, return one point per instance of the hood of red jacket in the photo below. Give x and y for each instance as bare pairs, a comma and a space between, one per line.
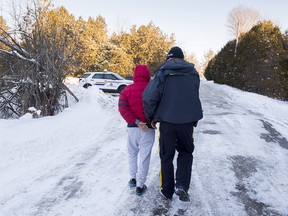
141, 74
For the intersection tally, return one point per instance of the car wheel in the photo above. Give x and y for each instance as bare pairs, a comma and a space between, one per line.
86, 85
121, 88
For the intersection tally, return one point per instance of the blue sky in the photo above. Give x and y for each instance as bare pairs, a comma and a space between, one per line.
197, 25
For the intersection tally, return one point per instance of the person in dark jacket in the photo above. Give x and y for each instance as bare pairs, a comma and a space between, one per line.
172, 98
141, 135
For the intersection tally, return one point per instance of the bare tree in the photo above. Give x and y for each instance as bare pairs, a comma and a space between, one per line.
122, 25
40, 59
207, 58
193, 59
241, 20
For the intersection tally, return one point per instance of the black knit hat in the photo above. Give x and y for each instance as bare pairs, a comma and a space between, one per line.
175, 52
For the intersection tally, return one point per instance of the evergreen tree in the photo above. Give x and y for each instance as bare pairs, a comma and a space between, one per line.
145, 45
120, 57
260, 65
149, 45
119, 61
94, 40
63, 32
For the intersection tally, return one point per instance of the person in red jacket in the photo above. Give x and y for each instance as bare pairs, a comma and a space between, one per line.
141, 135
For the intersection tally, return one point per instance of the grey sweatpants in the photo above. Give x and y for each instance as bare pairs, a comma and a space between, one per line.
139, 152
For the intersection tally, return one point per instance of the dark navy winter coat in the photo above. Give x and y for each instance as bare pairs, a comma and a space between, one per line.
173, 95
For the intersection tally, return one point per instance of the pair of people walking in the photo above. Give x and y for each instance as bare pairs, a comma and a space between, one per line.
172, 99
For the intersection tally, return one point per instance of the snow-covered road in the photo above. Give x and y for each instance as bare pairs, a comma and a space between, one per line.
75, 163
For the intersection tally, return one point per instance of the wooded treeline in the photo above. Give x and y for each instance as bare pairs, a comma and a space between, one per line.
88, 44
47, 44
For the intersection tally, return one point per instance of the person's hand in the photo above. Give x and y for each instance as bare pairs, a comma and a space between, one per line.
143, 126
153, 124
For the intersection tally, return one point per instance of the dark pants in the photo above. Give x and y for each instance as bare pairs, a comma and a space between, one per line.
175, 137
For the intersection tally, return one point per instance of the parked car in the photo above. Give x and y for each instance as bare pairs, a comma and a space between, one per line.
106, 81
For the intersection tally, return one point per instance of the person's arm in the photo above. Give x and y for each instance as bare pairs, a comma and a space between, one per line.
124, 109
152, 96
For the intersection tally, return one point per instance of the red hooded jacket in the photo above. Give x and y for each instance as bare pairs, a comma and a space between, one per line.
130, 103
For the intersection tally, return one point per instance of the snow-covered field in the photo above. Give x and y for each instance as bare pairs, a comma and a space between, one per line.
75, 163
